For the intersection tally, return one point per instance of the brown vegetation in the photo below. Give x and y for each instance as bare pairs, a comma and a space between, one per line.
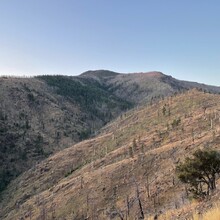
127, 171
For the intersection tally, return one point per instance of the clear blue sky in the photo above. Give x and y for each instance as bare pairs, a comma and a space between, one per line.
179, 38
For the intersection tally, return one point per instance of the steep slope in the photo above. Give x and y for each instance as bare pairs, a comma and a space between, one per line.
37, 120
134, 157
45, 114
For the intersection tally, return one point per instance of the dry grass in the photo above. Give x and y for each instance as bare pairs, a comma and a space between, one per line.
212, 214
187, 212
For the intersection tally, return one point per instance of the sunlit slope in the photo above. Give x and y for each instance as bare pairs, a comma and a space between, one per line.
45, 114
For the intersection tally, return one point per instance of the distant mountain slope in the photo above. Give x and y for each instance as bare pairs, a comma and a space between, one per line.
99, 178
141, 88
45, 114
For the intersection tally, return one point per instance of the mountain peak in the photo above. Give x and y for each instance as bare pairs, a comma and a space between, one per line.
108, 73
99, 73
152, 73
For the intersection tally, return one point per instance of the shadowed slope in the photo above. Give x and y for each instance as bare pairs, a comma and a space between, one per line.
37, 120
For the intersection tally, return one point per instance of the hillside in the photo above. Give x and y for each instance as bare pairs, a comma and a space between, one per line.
37, 120
133, 157
45, 114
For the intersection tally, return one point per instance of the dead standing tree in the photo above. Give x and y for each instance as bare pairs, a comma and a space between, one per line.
141, 211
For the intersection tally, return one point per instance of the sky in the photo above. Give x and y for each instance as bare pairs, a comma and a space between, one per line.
178, 38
